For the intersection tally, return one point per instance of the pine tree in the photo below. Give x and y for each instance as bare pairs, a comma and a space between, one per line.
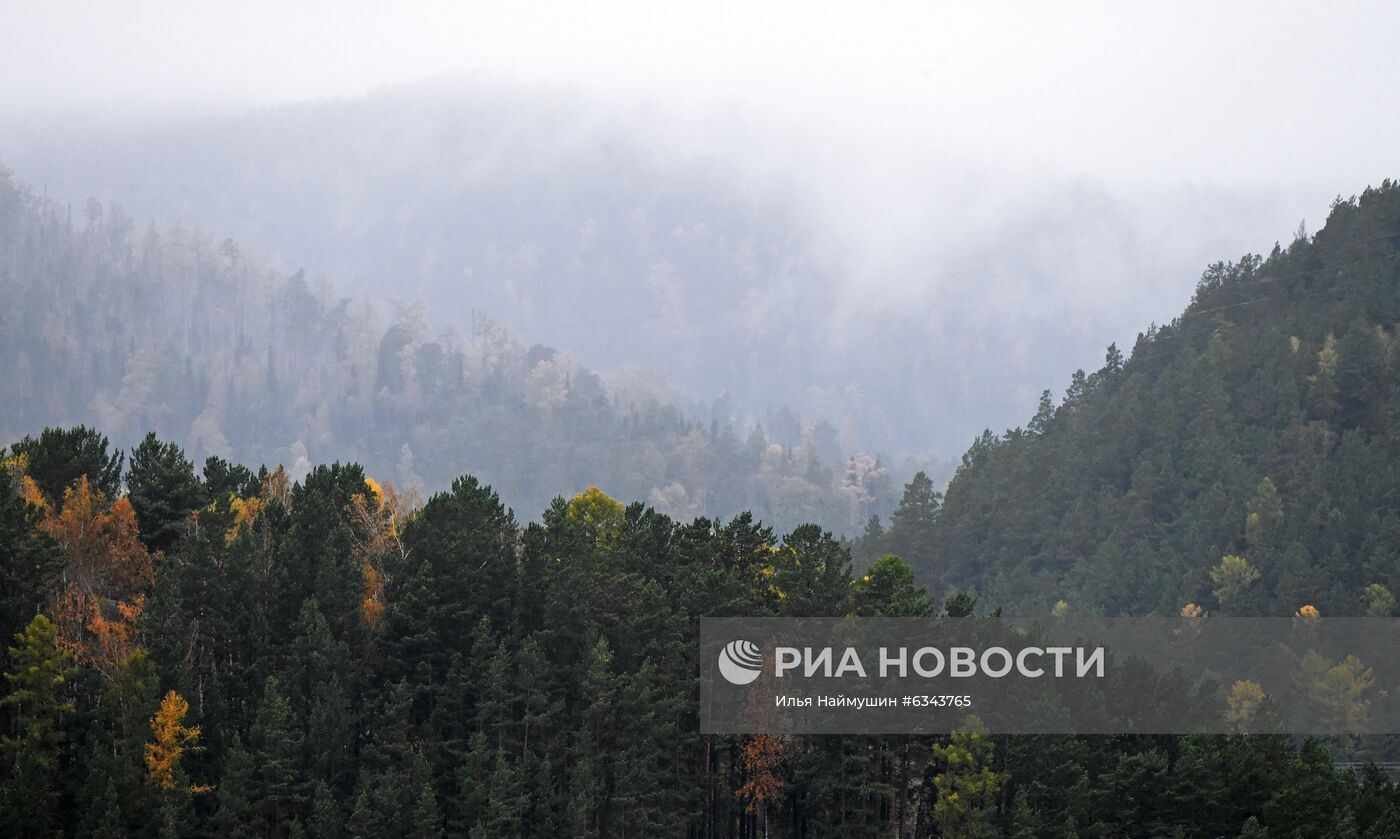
911, 534
60, 456
966, 787
30, 562
325, 813
36, 702
276, 751
427, 821
1025, 822
109, 823
163, 489
237, 815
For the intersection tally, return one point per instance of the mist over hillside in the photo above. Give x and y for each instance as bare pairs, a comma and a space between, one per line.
176, 332
907, 323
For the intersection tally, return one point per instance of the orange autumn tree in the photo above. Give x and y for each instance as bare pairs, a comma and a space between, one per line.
762, 760
765, 753
171, 738
105, 577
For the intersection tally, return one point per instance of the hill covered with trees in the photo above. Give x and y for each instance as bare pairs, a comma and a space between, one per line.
229, 653
174, 331
1244, 459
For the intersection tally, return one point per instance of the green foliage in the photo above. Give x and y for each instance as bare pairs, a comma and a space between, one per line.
912, 525
538, 681
1260, 424
58, 457
888, 590
1378, 601
30, 561
163, 490
36, 701
1232, 577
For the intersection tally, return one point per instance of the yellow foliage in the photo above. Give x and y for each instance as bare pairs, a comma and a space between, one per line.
596, 512
377, 520
171, 739
372, 604
1307, 611
1061, 609
31, 493
1191, 610
1244, 701
245, 512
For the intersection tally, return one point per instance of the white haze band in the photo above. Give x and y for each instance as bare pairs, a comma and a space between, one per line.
929, 662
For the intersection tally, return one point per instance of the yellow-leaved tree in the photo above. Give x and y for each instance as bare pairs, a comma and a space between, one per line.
597, 513
171, 738
378, 518
967, 788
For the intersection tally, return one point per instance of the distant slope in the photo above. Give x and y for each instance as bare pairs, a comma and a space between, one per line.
1264, 423
182, 333
750, 279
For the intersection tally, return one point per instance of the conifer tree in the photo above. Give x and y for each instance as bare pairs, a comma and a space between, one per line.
35, 702
163, 489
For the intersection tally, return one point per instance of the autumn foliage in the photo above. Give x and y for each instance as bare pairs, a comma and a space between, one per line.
378, 518
105, 578
171, 738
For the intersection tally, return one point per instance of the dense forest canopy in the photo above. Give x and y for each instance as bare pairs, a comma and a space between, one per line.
135, 329
214, 650
1245, 459
230, 653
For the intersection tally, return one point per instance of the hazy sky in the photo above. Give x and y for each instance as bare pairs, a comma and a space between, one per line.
1238, 91
878, 104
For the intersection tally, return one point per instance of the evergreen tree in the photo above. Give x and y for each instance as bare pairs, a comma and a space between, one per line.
58, 457
163, 489
911, 532
276, 749
35, 703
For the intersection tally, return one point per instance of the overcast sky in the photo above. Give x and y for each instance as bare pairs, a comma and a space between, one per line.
1240, 91
889, 114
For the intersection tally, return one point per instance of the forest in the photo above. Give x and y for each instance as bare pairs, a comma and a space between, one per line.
231, 653
408, 412
1244, 459
222, 650
183, 333
381, 646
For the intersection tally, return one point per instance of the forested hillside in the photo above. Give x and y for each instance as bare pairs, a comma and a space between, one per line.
1245, 458
738, 272
137, 328
231, 654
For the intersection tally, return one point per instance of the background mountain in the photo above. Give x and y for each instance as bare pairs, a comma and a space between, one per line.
908, 308
141, 329
1244, 458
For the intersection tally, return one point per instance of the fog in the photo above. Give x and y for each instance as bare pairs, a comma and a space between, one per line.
905, 219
